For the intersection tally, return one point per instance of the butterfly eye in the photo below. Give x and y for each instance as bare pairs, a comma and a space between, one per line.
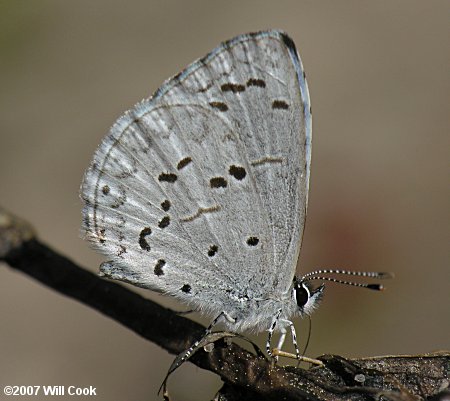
301, 294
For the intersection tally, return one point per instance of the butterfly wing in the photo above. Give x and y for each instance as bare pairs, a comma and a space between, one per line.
201, 191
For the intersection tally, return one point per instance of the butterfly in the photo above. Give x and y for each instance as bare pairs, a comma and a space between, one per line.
200, 192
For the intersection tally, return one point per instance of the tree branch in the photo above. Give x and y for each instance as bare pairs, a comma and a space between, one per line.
394, 377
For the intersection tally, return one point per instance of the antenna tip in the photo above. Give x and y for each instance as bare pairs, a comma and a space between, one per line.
384, 275
376, 287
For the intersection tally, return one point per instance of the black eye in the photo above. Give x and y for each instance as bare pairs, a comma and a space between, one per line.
302, 294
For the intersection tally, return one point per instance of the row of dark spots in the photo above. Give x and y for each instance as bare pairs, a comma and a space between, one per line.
237, 172
119, 201
221, 106
237, 88
251, 241
171, 177
158, 271
165, 221
146, 231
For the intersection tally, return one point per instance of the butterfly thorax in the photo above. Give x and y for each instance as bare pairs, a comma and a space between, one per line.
257, 315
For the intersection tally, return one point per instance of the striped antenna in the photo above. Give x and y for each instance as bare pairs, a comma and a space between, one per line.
317, 275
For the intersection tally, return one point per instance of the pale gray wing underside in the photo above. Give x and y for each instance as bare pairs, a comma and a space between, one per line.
201, 191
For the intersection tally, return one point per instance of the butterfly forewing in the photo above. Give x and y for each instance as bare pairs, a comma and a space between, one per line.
201, 190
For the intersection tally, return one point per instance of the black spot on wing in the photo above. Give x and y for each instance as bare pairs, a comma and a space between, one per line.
167, 177
183, 163
158, 270
235, 88
280, 104
186, 288
106, 190
164, 222
219, 106
165, 205
252, 241
142, 241
204, 89
237, 172
218, 182
212, 250
256, 82
102, 237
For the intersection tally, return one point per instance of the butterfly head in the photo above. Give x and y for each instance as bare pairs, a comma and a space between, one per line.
305, 296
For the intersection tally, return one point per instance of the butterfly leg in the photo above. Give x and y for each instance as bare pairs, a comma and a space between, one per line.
278, 352
281, 339
271, 330
184, 356
294, 337
223, 315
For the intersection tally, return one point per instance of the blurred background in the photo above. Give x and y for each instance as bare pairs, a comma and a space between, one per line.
380, 89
